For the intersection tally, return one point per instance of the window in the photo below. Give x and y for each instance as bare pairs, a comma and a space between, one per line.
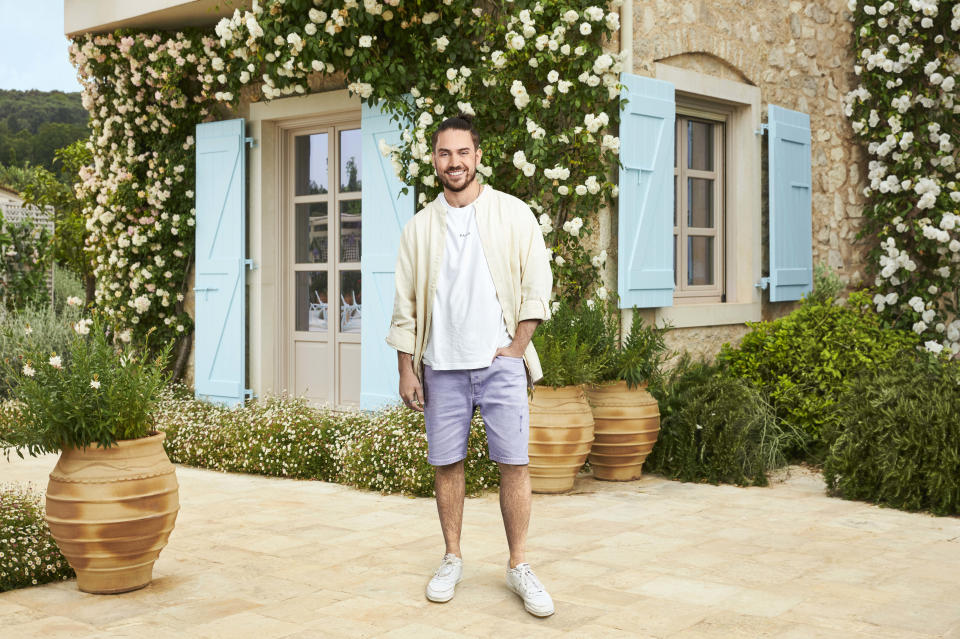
698, 216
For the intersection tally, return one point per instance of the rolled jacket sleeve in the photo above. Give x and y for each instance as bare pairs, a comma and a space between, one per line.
403, 323
536, 278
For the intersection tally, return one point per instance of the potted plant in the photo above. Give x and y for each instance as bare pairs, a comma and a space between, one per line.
112, 498
626, 415
573, 349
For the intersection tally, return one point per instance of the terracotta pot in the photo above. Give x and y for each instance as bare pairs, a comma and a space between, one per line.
561, 431
627, 425
111, 511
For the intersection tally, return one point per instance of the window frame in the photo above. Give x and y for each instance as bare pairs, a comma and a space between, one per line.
691, 293
744, 254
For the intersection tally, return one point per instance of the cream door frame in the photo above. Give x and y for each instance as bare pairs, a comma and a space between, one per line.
330, 124
265, 124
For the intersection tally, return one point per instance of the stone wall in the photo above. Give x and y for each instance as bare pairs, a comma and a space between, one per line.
797, 53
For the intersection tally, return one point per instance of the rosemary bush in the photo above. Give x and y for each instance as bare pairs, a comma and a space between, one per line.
715, 428
897, 436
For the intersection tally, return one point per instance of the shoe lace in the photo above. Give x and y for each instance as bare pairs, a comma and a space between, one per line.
528, 580
446, 566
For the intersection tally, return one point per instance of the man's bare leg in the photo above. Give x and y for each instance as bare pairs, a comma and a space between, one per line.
450, 488
515, 501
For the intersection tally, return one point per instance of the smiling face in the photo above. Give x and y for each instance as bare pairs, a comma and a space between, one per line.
455, 158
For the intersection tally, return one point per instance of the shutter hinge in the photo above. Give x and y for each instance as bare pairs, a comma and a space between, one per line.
251, 142
763, 283
250, 264
763, 127
249, 394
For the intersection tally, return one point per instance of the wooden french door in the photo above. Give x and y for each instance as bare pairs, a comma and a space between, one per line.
322, 248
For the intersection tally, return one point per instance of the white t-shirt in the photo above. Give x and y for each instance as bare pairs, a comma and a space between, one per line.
467, 325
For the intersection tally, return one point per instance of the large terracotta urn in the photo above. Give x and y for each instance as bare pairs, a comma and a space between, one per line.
561, 431
111, 511
627, 423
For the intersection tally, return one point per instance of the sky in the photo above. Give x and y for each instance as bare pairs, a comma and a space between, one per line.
33, 49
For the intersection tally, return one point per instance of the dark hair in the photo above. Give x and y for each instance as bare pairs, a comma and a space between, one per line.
460, 122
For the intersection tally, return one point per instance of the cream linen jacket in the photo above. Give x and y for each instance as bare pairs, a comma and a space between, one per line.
515, 251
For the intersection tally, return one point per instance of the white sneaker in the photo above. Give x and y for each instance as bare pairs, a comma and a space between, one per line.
522, 581
445, 579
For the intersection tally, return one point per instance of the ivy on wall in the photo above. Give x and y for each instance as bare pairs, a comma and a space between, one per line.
906, 111
544, 91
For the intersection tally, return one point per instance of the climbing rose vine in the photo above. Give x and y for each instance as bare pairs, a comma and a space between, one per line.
544, 91
145, 93
906, 110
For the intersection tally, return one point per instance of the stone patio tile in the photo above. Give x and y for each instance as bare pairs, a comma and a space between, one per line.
245, 625
761, 603
682, 589
732, 626
656, 617
916, 615
419, 631
649, 558
336, 628
51, 627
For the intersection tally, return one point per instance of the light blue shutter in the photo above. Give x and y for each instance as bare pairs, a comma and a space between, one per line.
791, 232
385, 211
219, 345
645, 235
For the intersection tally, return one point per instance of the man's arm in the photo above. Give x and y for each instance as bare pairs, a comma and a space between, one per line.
521, 338
403, 324
411, 392
536, 282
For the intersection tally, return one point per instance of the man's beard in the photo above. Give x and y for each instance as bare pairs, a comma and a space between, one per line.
471, 176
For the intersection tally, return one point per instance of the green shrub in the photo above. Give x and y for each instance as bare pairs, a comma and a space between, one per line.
802, 362
33, 325
897, 436
383, 450
26, 253
827, 286
576, 345
715, 428
28, 554
99, 390
66, 285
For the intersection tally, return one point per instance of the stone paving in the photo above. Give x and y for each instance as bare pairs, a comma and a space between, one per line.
268, 558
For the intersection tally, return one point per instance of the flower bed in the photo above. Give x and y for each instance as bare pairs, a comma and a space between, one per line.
385, 450
28, 554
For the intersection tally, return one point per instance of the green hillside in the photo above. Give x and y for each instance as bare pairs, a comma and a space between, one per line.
33, 124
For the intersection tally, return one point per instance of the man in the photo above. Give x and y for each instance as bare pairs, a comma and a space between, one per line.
473, 281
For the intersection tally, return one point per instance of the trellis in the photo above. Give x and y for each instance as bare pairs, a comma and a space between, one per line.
15, 213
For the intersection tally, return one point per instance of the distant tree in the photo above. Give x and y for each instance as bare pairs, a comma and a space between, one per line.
33, 124
70, 231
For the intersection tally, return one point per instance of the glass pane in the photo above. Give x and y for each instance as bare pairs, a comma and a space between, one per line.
312, 232
700, 145
310, 164
700, 203
675, 264
350, 161
350, 301
311, 301
676, 199
350, 231
699, 261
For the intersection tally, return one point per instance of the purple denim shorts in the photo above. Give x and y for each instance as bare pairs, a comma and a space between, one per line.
499, 390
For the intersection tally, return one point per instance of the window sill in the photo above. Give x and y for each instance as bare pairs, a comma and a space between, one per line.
711, 314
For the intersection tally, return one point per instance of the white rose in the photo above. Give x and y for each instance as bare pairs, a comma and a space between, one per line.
585, 28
